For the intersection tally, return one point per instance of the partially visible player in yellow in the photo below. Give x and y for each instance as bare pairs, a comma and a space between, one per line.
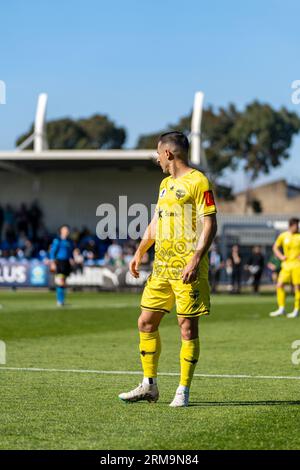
287, 249
183, 228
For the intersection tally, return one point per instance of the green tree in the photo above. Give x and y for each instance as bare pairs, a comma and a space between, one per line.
263, 137
216, 141
258, 138
96, 132
102, 132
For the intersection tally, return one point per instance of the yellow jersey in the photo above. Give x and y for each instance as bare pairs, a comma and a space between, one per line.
290, 245
182, 203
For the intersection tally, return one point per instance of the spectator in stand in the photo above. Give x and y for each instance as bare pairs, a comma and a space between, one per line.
78, 260
28, 249
75, 236
215, 266
4, 253
85, 235
255, 266
235, 261
128, 253
91, 253
35, 216
10, 236
114, 254
102, 249
8, 218
22, 219
43, 255
43, 239
21, 241
274, 267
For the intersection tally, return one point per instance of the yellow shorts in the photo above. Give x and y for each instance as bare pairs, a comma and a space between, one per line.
289, 276
192, 300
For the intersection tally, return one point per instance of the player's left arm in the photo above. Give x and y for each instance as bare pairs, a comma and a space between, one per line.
147, 241
277, 248
206, 238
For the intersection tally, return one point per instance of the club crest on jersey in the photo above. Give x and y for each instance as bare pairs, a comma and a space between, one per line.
180, 193
163, 193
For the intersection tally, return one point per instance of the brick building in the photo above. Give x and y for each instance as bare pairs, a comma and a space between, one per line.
278, 197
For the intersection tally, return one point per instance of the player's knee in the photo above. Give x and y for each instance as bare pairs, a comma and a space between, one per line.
146, 325
188, 328
59, 282
279, 285
187, 334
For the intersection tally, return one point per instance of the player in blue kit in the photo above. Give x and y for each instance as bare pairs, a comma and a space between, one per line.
61, 256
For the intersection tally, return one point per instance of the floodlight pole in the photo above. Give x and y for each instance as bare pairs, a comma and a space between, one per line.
195, 136
40, 137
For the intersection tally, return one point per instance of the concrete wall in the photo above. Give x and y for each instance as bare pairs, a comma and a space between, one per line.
73, 196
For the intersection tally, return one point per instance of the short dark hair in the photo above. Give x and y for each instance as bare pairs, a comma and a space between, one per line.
63, 226
293, 221
179, 140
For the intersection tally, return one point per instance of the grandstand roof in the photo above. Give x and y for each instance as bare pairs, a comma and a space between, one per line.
29, 160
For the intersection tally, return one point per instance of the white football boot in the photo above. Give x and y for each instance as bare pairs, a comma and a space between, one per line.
181, 398
294, 314
278, 313
148, 392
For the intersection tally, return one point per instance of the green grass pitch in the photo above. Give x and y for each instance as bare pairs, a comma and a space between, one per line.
71, 410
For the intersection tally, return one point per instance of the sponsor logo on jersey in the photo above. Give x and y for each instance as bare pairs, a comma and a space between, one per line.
163, 192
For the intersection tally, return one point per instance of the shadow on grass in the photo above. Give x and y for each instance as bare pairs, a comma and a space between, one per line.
247, 403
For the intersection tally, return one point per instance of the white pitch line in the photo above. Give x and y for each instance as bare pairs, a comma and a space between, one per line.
131, 372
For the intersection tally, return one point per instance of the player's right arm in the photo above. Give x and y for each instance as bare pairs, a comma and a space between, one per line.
277, 248
146, 243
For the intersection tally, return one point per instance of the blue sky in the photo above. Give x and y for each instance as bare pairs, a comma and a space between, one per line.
141, 61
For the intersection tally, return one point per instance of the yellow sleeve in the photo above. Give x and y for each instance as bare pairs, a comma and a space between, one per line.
279, 241
204, 197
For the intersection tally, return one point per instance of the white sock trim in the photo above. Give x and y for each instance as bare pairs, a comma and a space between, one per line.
149, 381
183, 388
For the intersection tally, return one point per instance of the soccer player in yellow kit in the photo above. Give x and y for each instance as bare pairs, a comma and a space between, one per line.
287, 249
183, 228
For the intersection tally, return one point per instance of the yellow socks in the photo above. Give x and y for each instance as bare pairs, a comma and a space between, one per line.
297, 299
281, 297
150, 348
189, 355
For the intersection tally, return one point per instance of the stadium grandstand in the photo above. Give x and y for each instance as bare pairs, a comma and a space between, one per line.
66, 186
